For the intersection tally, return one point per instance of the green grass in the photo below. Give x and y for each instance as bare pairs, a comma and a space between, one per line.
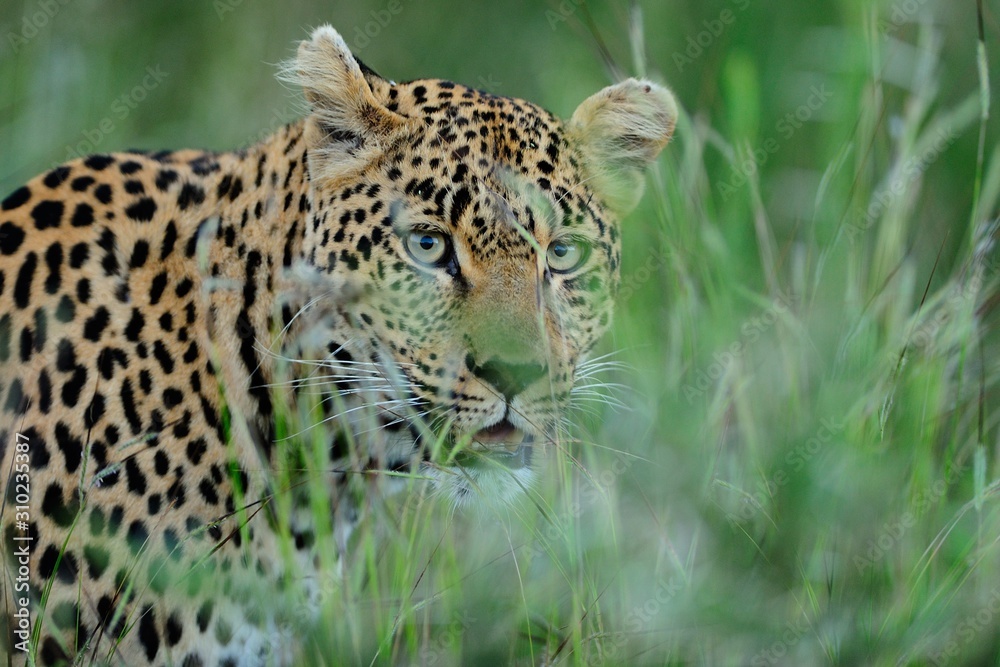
805, 471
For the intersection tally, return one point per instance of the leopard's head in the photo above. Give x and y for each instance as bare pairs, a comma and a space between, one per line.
481, 235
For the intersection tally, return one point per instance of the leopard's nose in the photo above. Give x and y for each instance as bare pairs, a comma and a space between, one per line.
507, 378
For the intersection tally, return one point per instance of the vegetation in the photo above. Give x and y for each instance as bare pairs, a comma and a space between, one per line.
797, 459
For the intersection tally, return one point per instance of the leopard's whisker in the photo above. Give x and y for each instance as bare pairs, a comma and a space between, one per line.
382, 405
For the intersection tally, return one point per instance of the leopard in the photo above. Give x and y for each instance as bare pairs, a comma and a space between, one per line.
421, 267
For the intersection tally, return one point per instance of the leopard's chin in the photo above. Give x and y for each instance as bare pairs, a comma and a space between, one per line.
495, 469
485, 483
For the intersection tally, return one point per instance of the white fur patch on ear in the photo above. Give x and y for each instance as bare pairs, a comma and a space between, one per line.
621, 130
348, 125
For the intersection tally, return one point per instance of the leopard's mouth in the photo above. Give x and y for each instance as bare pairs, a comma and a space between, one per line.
501, 443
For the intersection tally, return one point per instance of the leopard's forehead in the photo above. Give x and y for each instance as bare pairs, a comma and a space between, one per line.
488, 127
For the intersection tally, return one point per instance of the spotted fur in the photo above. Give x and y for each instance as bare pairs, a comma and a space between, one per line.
158, 310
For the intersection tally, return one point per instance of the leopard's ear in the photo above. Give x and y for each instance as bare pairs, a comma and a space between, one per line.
620, 130
348, 125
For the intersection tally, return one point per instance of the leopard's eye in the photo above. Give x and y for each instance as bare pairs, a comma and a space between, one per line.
566, 255
426, 247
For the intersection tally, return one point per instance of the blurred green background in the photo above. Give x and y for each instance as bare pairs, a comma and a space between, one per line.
66, 65
803, 469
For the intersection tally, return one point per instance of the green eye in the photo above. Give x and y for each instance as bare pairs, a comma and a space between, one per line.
566, 255
427, 247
